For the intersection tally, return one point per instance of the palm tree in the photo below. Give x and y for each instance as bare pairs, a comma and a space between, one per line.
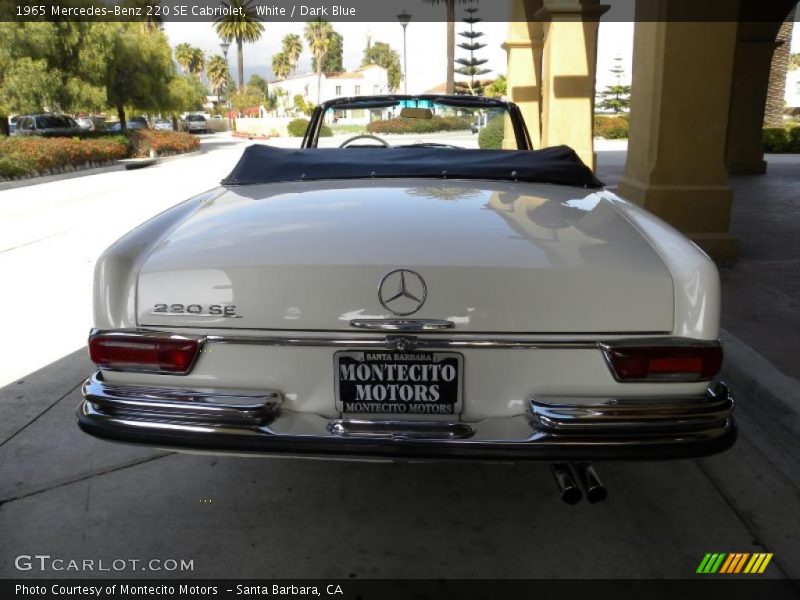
773, 115
241, 25
184, 55
319, 35
218, 73
281, 65
197, 63
450, 6
292, 48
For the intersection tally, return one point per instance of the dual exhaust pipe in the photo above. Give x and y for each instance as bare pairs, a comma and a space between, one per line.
584, 481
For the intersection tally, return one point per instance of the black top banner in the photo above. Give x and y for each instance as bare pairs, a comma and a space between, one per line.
162, 11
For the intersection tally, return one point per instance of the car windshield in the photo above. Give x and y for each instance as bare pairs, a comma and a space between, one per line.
52, 121
419, 123
195, 118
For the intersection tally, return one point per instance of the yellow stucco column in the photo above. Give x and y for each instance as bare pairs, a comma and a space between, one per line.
682, 73
568, 74
524, 49
755, 46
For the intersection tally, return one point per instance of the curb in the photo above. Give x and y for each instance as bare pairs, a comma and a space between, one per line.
20, 183
763, 393
119, 166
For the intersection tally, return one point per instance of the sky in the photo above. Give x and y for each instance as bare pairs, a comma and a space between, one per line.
425, 46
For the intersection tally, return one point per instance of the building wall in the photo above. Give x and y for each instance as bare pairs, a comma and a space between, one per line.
368, 81
792, 95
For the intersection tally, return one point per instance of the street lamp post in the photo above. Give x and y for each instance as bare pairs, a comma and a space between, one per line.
225, 45
404, 19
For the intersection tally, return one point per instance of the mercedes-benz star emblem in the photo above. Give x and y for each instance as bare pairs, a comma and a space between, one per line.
402, 292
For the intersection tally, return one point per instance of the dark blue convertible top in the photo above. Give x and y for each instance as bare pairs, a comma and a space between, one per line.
267, 164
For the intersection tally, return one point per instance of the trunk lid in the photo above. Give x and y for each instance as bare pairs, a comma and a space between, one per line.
495, 257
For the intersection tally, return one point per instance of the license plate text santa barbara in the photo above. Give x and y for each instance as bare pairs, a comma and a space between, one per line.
398, 382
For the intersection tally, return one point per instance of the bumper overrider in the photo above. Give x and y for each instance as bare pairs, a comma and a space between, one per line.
557, 430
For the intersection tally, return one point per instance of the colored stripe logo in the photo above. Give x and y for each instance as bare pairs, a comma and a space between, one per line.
734, 563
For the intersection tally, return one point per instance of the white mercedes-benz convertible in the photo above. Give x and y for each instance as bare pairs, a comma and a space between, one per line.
406, 295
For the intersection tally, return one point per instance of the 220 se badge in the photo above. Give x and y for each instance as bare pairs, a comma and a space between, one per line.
413, 298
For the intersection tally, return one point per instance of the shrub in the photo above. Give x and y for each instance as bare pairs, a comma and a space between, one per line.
163, 142
794, 139
14, 166
297, 128
491, 136
611, 128
405, 125
21, 155
776, 140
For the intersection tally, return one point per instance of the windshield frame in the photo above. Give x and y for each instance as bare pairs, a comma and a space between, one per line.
311, 137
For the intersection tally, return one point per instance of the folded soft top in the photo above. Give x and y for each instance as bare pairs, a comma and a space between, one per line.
267, 164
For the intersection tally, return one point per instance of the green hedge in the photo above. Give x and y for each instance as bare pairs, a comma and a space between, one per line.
776, 140
611, 128
781, 140
23, 155
432, 125
297, 128
491, 136
163, 142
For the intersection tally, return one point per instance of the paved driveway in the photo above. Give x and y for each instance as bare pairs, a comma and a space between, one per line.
52, 233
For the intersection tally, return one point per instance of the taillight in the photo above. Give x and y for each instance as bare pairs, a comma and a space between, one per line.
144, 352
664, 363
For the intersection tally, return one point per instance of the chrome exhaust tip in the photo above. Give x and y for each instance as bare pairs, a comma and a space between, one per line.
569, 490
592, 486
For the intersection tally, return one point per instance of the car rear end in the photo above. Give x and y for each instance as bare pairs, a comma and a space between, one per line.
516, 323
195, 124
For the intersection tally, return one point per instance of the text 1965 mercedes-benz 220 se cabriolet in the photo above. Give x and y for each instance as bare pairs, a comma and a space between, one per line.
407, 295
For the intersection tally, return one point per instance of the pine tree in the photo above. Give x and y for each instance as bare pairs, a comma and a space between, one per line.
616, 97
471, 67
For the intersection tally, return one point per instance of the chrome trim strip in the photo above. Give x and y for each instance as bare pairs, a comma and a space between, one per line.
621, 416
473, 341
402, 324
217, 406
401, 430
197, 315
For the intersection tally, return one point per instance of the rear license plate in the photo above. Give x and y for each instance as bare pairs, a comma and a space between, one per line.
399, 383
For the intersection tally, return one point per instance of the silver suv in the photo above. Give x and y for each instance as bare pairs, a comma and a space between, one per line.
194, 124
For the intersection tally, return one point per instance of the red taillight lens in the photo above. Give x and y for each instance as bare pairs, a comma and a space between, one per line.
143, 353
665, 363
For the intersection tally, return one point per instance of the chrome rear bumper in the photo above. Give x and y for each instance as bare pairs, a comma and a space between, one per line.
228, 421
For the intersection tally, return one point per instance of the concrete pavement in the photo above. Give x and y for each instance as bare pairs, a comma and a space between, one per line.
66, 494
52, 233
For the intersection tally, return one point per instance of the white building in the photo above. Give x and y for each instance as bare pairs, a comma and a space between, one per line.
371, 80
792, 95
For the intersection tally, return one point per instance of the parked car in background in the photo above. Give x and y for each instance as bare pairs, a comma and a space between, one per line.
163, 125
132, 124
194, 124
51, 125
88, 123
409, 298
12, 124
